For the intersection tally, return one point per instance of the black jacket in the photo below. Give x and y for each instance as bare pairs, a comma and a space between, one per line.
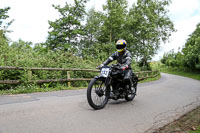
124, 59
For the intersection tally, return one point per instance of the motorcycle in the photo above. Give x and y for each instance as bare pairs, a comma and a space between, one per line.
110, 85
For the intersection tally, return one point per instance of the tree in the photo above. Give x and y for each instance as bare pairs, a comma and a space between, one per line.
92, 28
103, 29
191, 50
148, 25
4, 25
3, 17
114, 17
66, 32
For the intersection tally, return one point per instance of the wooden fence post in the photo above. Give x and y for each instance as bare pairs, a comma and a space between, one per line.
68, 77
143, 75
29, 75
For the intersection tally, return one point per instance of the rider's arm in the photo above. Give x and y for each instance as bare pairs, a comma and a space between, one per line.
110, 59
128, 59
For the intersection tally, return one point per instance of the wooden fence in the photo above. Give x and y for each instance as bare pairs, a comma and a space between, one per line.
141, 75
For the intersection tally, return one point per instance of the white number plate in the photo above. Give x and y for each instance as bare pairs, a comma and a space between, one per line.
104, 72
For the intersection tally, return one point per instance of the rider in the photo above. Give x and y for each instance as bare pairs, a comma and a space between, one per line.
123, 58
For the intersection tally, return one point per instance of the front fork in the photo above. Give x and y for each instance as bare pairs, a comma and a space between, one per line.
107, 82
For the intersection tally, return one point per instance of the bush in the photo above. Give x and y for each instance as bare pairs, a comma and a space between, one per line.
21, 54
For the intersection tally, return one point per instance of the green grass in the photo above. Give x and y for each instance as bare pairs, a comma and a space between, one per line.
175, 71
150, 79
197, 131
33, 89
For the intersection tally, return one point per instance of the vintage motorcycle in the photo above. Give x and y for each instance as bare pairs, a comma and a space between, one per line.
110, 85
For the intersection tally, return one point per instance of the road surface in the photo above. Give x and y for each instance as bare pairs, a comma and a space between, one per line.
156, 104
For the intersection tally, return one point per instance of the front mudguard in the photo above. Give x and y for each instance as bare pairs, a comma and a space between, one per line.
106, 80
100, 77
106, 84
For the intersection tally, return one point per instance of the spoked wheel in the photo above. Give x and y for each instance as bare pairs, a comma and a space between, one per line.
131, 93
97, 94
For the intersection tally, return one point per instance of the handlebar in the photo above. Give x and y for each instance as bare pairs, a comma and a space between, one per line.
115, 66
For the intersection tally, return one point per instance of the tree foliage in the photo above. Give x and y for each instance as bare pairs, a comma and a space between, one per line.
3, 17
189, 56
4, 25
148, 25
66, 32
114, 17
192, 50
92, 27
144, 26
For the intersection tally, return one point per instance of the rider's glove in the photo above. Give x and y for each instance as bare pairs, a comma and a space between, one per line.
100, 66
124, 67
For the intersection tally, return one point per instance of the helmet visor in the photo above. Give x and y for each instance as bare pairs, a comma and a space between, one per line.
120, 46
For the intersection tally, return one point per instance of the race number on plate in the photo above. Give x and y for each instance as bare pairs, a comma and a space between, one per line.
104, 72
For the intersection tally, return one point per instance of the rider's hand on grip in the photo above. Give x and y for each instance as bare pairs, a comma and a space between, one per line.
124, 67
100, 66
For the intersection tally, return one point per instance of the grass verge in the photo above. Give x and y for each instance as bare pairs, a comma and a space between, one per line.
150, 79
188, 123
176, 71
33, 89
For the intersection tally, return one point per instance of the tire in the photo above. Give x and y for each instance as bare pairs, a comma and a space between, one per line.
97, 88
131, 96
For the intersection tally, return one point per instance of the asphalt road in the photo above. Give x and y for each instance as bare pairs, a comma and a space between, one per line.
156, 104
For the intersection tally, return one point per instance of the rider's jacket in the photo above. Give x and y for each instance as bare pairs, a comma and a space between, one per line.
123, 59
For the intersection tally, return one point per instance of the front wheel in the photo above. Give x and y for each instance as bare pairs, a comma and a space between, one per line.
97, 94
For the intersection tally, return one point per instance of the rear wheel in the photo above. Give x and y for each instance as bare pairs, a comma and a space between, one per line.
131, 93
97, 94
